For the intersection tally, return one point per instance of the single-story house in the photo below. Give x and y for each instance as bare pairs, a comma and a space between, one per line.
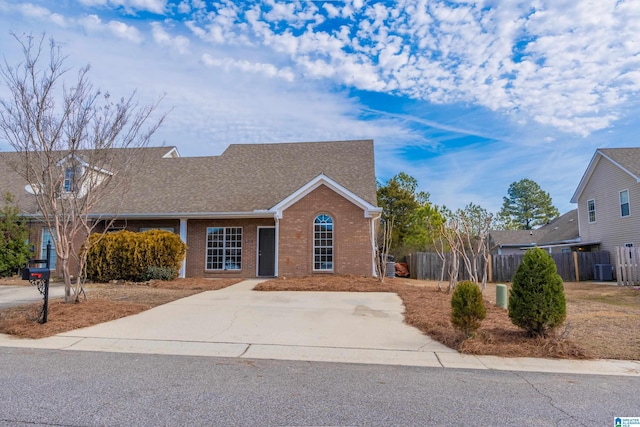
256, 210
557, 236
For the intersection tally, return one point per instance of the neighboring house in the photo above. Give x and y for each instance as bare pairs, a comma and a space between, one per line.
257, 210
559, 235
608, 199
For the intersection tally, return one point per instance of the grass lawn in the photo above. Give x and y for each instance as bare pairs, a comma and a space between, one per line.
603, 321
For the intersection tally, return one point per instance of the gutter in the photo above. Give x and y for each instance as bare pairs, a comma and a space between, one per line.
175, 215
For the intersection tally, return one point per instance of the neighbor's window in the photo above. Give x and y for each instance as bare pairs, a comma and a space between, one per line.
224, 248
70, 179
591, 208
323, 243
624, 203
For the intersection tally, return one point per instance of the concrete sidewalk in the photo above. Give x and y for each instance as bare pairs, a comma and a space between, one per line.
345, 327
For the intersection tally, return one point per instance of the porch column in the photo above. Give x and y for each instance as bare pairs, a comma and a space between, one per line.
183, 237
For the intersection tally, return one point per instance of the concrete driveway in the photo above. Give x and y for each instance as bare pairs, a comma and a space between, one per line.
237, 319
346, 327
17, 295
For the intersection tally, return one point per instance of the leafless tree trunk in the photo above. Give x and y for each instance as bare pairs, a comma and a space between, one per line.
70, 138
452, 236
384, 244
473, 238
439, 245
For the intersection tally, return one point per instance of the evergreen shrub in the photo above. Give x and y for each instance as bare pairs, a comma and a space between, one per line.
126, 255
536, 300
467, 307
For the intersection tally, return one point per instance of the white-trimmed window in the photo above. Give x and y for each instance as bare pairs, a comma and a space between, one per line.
71, 179
591, 208
323, 243
624, 203
224, 248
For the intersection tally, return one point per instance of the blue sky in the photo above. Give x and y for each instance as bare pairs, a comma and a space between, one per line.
467, 97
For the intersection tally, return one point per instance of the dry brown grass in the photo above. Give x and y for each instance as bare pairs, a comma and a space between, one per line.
602, 320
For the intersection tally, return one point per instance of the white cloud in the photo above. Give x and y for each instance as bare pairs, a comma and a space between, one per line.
268, 70
155, 6
42, 13
124, 31
93, 23
178, 43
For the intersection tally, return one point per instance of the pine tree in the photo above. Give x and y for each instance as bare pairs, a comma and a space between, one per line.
536, 301
467, 307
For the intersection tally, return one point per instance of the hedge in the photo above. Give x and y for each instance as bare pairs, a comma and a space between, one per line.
136, 257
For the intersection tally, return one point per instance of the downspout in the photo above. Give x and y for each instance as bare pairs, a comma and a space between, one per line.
183, 236
374, 272
277, 220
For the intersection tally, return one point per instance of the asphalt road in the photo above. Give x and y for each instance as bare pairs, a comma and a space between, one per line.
47, 387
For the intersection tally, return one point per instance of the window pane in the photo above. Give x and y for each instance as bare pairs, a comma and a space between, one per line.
624, 203
224, 248
624, 196
624, 209
323, 243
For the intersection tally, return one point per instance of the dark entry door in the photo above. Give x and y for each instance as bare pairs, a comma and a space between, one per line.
266, 252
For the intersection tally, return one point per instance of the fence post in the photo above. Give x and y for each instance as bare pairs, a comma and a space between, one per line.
490, 268
575, 265
618, 267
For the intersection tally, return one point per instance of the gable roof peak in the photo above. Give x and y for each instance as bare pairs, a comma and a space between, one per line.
627, 159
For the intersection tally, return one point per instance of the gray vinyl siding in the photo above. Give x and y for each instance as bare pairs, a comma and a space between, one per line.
604, 186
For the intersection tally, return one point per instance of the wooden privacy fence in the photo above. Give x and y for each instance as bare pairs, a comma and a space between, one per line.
626, 267
428, 266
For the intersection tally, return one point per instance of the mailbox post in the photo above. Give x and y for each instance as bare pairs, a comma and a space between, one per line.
39, 277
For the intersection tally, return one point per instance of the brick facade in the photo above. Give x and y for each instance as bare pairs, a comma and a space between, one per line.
352, 235
197, 246
352, 238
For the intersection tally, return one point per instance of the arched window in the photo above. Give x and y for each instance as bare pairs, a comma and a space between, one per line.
323, 243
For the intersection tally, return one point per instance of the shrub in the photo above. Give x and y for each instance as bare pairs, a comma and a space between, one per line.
14, 251
467, 307
536, 300
126, 255
160, 273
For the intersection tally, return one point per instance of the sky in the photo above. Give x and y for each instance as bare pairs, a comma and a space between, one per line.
465, 96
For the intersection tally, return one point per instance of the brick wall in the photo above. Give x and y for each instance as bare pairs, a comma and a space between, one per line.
352, 235
352, 238
197, 244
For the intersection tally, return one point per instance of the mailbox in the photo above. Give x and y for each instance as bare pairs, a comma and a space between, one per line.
36, 274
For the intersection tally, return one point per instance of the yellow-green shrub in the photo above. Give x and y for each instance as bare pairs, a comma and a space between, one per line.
126, 255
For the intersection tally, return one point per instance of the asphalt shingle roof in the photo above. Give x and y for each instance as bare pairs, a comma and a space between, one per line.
562, 229
244, 178
628, 158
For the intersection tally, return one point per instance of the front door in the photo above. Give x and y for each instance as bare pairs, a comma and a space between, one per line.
266, 251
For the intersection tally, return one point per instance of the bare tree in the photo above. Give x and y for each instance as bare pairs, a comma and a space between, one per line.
68, 136
474, 224
385, 235
437, 227
452, 235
